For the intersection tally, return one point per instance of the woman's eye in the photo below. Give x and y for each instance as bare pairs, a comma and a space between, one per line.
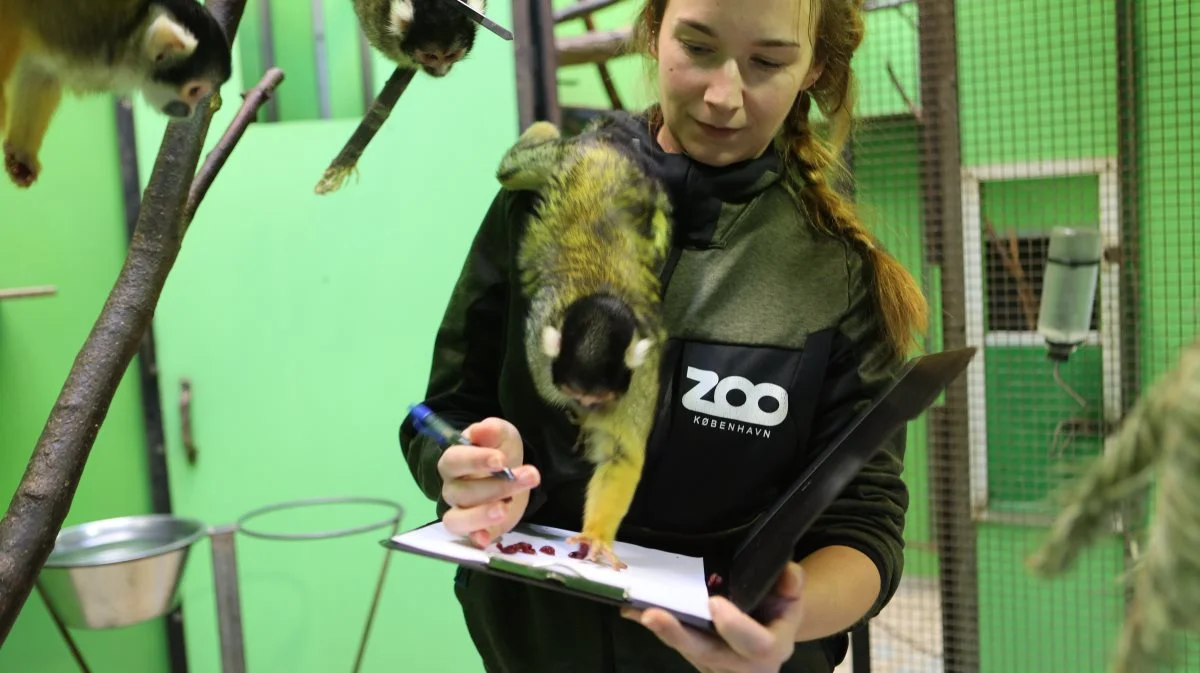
695, 49
770, 65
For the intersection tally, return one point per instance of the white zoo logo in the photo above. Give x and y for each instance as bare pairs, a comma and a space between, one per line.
748, 412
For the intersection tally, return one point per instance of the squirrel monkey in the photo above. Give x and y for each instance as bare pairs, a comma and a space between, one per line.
589, 262
173, 51
431, 35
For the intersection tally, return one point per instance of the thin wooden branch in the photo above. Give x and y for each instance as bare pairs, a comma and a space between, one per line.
606, 79
581, 9
912, 107
875, 5
592, 47
22, 292
345, 162
251, 102
1012, 262
43, 498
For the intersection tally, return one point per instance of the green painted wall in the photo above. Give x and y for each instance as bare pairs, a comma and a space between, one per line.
305, 324
292, 35
69, 231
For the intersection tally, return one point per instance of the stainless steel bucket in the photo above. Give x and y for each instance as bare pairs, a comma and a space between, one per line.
117, 572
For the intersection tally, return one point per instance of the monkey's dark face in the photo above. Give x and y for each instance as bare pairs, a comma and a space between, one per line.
439, 35
190, 57
436, 62
594, 354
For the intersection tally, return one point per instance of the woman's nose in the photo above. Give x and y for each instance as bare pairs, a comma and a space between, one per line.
725, 87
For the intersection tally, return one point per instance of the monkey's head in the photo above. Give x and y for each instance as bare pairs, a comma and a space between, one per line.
594, 353
188, 56
434, 33
531, 160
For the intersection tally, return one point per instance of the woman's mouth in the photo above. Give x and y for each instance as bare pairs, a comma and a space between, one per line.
722, 132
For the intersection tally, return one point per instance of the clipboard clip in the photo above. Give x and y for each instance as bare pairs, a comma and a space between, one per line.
561, 574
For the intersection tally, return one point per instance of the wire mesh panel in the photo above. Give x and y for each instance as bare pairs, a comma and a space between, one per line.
992, 133
989, 130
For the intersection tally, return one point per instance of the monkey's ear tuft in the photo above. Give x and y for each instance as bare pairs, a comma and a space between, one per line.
635, 355
551, 341
400, 17
530, 161
167, 39
539, 132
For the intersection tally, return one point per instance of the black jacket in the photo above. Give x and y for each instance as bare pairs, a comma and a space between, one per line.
752, 291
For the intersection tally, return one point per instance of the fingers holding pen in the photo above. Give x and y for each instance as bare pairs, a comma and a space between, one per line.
470, 492
486, 508
483, 505
459, 462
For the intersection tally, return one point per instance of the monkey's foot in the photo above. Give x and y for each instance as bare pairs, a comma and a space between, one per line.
596, 550
21, 168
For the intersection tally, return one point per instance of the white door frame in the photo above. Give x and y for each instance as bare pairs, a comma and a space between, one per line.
1109, 337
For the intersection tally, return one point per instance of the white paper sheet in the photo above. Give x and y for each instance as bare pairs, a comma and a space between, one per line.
672, 581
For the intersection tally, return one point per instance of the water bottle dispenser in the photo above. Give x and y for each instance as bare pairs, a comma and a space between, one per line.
1069, 289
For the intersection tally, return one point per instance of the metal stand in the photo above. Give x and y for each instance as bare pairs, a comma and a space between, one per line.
225, 577
229, 602
62, 630
229, 611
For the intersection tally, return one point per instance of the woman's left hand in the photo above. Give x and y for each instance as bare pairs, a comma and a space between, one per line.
744, 645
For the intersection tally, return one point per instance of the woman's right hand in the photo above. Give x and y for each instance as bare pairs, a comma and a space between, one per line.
484, 507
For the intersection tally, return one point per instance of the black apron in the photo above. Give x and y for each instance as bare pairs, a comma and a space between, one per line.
726, 444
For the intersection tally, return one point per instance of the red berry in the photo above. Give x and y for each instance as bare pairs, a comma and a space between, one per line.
547, 550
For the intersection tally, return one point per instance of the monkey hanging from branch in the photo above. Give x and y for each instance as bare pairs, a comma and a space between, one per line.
173, 51
427, 35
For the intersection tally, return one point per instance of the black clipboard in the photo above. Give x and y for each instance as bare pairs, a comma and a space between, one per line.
768, 546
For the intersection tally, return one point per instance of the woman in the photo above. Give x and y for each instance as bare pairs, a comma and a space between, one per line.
776, 281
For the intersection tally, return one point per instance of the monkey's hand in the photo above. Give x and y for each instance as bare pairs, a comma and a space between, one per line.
597, 550
610, 493
22, 167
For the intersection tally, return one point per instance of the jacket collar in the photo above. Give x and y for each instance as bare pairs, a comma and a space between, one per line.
697, 191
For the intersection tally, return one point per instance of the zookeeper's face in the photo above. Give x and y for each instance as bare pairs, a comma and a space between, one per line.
729, 71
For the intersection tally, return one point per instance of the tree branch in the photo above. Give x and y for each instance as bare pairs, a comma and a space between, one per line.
44, 496
581, 9
216, 159
592, 47
346, 160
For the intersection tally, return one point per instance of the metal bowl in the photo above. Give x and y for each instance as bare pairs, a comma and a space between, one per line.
117, 572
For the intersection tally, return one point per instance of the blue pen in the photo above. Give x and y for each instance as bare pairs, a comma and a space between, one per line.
431, 425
